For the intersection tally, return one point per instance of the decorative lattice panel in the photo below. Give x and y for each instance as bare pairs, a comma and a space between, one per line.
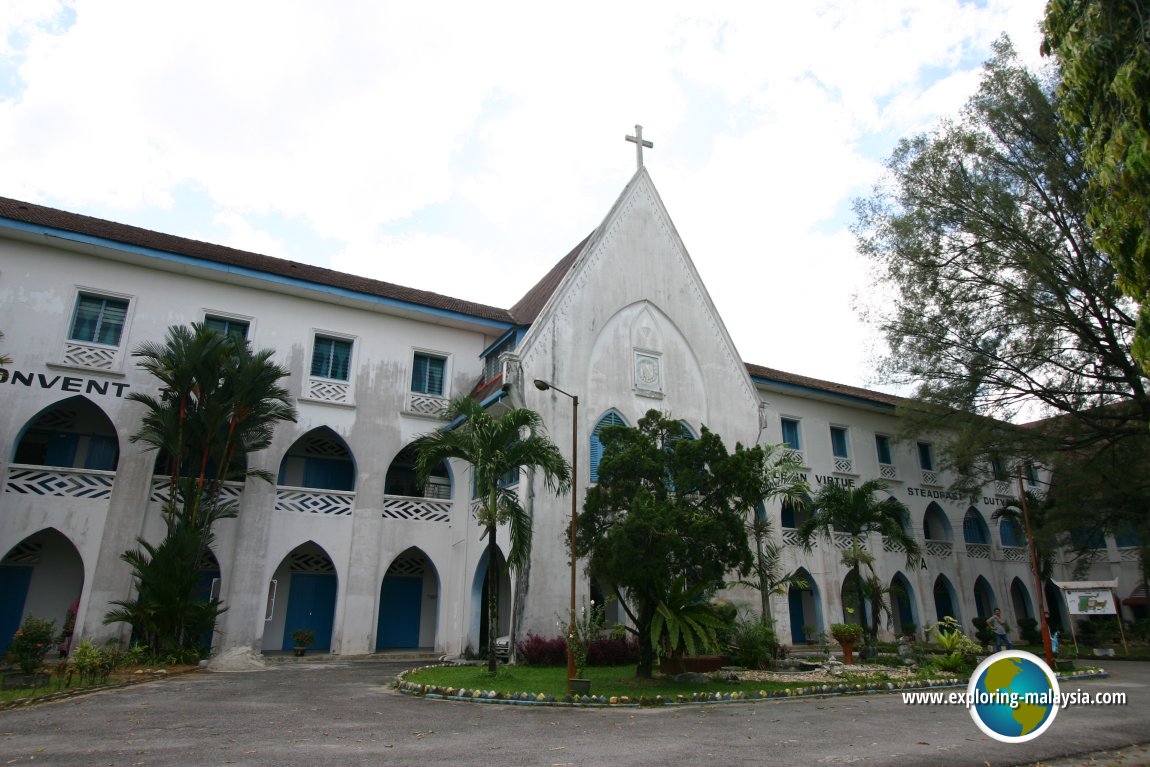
57, 419
893, 546
1129, 554
310, 562
1002, 488
843, 541
1014, 553
61, 483
323, 502
24, 553
329, 391
978, 550
797, 457
408, 564
930, 478
416, 509
230, 492
319, 446
887, 471
939, 548
791, 537
844, 465
425, 404
82, 355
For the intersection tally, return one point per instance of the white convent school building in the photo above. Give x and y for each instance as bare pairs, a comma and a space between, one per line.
344, 542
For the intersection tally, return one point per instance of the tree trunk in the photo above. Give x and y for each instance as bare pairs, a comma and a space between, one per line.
646, 665
492, 600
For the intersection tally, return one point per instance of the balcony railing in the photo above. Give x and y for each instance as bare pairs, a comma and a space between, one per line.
843, 541
90, 355
930, 477
844, 465
1014, 553
791, 537
416, 509
326, 390
231, 491
60, 482
978, 550
425, 404
940, 548
327, 503
888, 471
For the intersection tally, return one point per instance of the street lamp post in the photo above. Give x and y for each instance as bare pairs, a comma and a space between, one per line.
542, 385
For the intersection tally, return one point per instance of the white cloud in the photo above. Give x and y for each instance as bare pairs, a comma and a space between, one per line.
487, 139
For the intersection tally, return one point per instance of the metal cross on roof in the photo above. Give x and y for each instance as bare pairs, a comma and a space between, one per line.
639, 143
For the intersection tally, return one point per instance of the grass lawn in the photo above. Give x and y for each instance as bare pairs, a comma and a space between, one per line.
57, 685
605, 680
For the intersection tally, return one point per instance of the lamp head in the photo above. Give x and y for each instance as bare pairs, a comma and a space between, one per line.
541, 385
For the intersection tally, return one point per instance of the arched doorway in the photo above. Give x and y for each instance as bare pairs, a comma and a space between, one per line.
401, 478
41, 576
855, 609
74, 433
208, 588
477, 636
945, 600
1020, 600
319, 460
984, 601
904, 610
804, 609
302, 595
935, 525
408, 603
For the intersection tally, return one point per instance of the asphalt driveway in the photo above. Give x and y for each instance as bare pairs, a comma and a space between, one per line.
344, 713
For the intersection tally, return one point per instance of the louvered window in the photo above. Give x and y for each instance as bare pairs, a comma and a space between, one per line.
610, 419
99, 320
427, 374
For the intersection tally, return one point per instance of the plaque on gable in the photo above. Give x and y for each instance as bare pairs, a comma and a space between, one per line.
648, 374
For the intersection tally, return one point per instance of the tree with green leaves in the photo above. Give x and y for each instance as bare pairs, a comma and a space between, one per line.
993, 298
495, 447
1103, 52
664, 512
859, 512
219, 402
765, 474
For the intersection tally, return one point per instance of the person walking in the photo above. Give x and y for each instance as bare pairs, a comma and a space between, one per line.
1001, 630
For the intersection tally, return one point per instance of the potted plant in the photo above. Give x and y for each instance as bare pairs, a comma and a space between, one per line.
846, 634
303, 639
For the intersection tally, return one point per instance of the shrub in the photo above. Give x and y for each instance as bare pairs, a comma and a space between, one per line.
754, 645
1028, 630
846, 633
542, 651
31, 642
982, 632
91, 663
611, 651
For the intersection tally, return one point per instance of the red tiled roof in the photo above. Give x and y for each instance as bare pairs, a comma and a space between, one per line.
40, 215
535, 299
758, 371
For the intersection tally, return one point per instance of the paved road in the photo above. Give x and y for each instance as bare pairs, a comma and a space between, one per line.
341, 713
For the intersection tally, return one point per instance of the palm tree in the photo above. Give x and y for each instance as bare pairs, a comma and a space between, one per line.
495, 448
768, 473
858, 512
4, 358
219, 401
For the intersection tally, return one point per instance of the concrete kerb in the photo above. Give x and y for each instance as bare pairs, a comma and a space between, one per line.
464, 695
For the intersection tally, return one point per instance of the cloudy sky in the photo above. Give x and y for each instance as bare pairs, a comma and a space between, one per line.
465, 147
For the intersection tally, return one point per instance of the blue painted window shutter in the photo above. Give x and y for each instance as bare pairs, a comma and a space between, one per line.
611, 419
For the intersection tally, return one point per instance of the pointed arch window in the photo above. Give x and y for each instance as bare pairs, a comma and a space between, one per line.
612, 418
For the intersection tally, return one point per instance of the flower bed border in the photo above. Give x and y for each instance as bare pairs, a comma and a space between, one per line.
34, 700
439, 692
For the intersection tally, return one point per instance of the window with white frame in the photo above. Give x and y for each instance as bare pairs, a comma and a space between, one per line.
428, 373
98, 319
331, 358
791, 436
232, 327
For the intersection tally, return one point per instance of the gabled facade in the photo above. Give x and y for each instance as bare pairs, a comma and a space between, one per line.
345, 542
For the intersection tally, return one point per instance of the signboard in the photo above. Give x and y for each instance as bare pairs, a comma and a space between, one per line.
1090, 602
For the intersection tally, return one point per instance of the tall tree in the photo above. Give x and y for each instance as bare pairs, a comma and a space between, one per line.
992, 296
1103, 49
495, 447
219, 401
664, 520
762, 475
858, 512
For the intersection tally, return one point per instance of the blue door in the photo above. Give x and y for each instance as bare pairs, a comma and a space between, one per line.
795, 601
14, 580
400, 603
311, 605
